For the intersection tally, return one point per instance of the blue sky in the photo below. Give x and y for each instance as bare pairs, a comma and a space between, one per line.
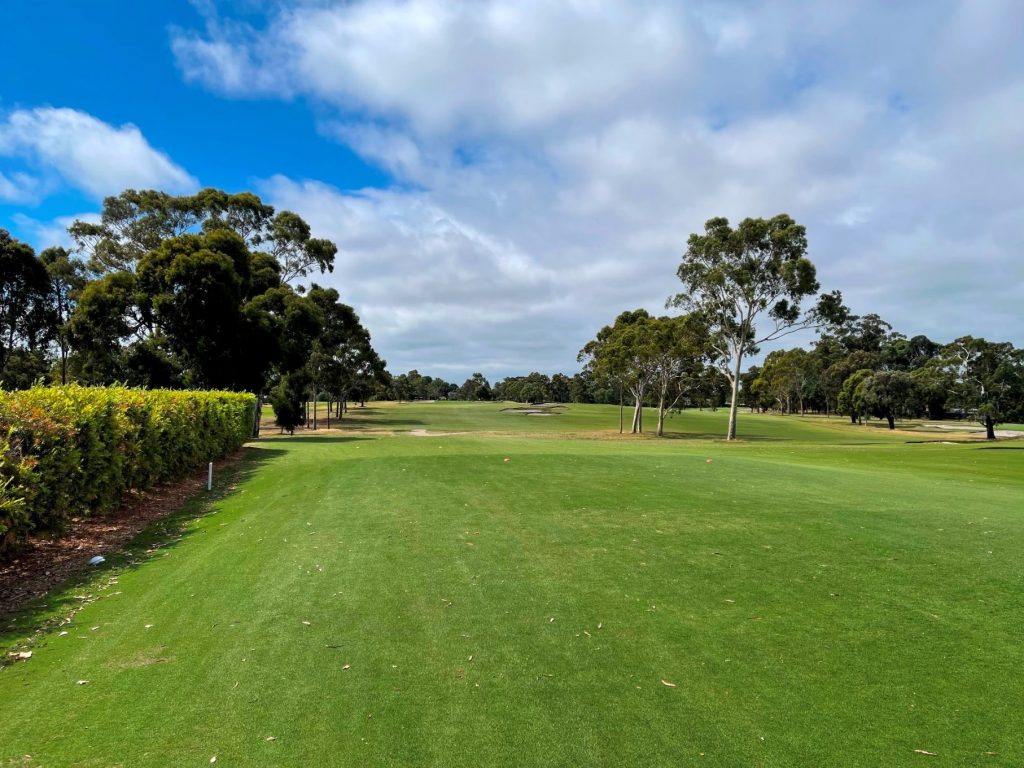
503, 176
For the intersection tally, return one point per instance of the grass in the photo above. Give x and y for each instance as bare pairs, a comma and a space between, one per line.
819, 595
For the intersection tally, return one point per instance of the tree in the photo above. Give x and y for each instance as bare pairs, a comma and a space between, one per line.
850, 400
136, 222
678, 348
887, 395
286, 399
735, 278
342, 360
67, 279
475, 388
623, 353
789, 375
834, 376
987, 380
560, 388
26, 323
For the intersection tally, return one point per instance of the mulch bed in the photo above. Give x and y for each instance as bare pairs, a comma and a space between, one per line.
46, 562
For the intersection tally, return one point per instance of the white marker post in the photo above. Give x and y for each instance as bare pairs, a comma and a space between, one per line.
209, 477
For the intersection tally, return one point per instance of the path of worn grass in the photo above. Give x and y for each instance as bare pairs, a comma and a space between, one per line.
811, 605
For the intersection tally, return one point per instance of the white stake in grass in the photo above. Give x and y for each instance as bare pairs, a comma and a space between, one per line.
209, 477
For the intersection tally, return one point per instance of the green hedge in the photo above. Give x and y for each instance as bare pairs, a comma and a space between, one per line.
73, 451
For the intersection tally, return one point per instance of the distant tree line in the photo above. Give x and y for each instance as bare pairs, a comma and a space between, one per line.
186, 292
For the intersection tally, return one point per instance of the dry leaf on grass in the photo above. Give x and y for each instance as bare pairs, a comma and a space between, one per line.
271, 738
347, 666
668, 684
925, 752
82, 682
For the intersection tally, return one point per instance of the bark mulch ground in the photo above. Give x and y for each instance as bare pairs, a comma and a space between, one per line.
46, 562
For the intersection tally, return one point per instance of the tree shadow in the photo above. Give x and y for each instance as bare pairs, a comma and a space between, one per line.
30, 622
314, 438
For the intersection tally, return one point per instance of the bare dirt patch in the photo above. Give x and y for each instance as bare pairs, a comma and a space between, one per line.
144, 658
46, 561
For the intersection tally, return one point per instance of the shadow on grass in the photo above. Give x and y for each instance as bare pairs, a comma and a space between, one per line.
719, 436
21, 628
315, 438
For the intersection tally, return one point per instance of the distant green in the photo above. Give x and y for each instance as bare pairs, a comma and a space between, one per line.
819, 594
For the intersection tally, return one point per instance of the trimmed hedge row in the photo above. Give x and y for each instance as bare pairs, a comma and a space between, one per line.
73, 451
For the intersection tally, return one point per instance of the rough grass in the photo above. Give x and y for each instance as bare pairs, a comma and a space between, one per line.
819, 595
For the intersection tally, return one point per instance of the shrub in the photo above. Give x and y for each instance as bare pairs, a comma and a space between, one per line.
71, 451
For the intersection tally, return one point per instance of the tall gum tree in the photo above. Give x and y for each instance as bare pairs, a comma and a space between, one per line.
738, 279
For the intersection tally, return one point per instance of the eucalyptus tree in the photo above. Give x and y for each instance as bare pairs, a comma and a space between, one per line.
67, 279
26, 323
678, 347
136, 222
739, 278
887, 395
622, 353
850, 400
987, 380
342, 359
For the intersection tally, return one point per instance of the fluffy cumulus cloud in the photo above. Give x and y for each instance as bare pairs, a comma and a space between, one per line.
56, 145
550, 159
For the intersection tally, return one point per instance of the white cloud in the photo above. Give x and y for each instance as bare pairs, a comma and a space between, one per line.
87, 153
560, 154
19, 187
46, 234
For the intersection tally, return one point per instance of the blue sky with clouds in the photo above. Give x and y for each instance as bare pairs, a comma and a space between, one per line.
503, 176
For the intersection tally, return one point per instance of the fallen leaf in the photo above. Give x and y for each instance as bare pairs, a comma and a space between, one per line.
148, 626
306, 623
469, 659
600, 624
925, 752
213, 759
551, 619
347, 666
271, 738
668, 684
82, 682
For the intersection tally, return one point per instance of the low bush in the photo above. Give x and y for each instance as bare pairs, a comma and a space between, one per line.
73, 451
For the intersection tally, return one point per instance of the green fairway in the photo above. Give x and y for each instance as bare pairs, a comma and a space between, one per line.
536, 590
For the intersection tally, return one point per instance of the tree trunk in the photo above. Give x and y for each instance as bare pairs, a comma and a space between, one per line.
661, 416
329, 404
731, 434
990, 428
892, 422
636, 416
257, 416
315, 409
853, 418
620, 407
